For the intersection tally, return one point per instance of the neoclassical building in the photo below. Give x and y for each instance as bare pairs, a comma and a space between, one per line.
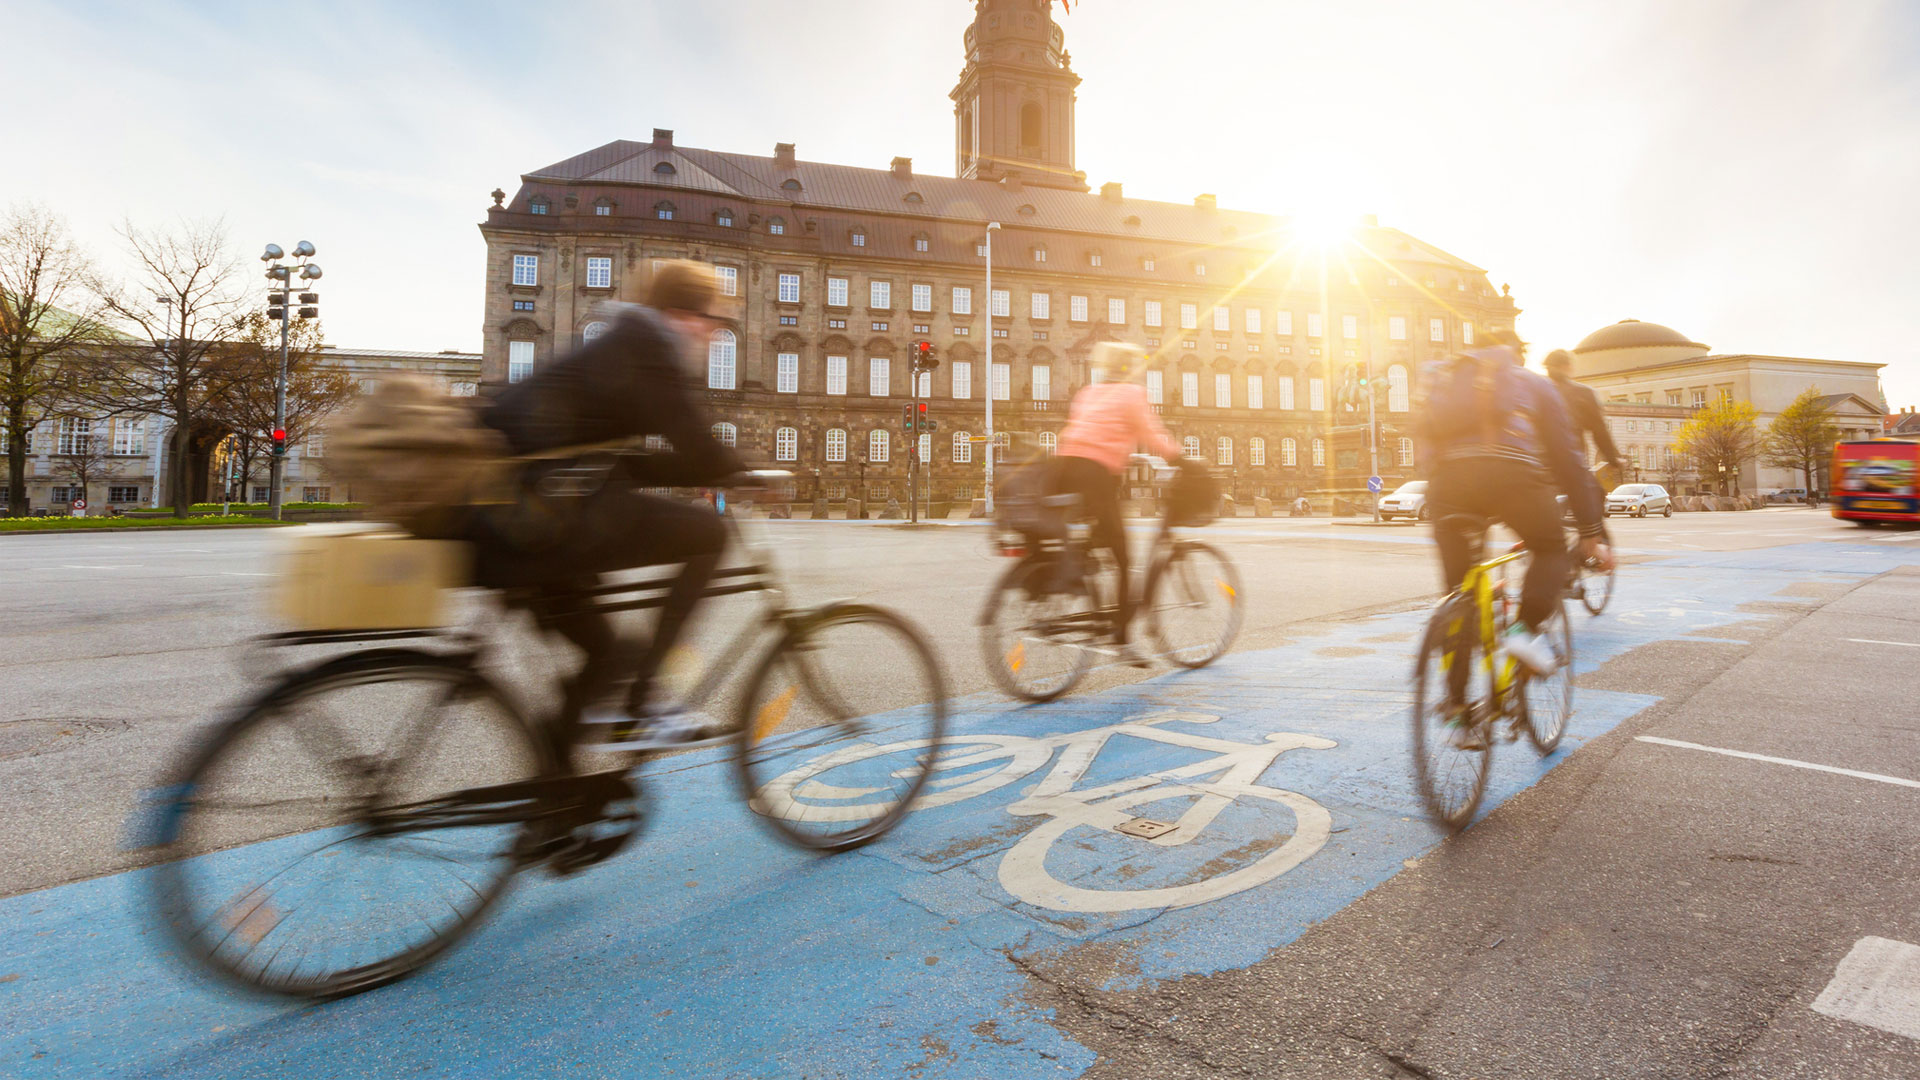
1261, 334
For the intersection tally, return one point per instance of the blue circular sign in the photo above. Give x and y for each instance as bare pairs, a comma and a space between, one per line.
1373, 484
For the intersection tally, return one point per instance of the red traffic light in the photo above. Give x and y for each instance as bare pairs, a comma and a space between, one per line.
279, 435
923, 408
926, 347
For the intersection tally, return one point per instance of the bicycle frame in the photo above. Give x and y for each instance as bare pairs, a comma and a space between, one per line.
1478, 587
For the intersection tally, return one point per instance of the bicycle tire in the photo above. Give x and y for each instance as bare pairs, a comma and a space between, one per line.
796, 704
1545, 731
1038, 665
1435, 773
1592, 581
1177, 570
199, 844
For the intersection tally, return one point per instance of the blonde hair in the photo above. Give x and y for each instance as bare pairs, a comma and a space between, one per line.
1119, 362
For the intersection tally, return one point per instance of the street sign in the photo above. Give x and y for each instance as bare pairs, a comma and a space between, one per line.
1374, 485
79, 508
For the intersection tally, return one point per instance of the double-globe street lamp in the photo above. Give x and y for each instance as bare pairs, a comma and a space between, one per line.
280, 278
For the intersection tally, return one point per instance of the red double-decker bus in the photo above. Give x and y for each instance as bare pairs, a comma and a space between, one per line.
1873, 481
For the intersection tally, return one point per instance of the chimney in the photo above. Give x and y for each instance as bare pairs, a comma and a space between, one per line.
1206, 202
1011, 180
783, 154
663, 137
1110, 191
903, 168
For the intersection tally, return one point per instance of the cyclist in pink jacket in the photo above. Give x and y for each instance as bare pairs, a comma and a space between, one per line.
1107, 421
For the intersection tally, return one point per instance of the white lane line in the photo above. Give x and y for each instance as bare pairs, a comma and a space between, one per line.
1855, 773
1877, 984
241, 573
1876, 641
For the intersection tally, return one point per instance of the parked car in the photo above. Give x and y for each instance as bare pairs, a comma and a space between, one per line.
1639, 500
1409, 500
1788, 495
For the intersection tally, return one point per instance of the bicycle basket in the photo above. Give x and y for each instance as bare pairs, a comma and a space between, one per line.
1193, 498
1019, 506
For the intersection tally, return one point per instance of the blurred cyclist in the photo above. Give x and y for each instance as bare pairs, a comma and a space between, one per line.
1499, 443
629, 382
1583, 409
1108, 419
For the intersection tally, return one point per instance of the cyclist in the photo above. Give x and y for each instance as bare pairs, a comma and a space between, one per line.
1107, 420
1583, 409
1498, 439
627, 383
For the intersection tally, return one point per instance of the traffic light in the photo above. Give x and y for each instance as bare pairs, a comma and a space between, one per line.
920, 416
276, 313
279, 442
906, 419
923, 358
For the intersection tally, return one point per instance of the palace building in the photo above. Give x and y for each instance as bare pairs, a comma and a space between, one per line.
1261, 338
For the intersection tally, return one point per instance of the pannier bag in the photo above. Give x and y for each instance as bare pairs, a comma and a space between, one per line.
364, 577
1194, 496
416, 455
1018, 506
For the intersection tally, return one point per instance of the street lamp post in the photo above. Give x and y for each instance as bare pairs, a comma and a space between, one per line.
160, 444
992, 226
280, 279
861, 457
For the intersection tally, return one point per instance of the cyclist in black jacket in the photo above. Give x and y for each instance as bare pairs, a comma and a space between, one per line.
1583, 408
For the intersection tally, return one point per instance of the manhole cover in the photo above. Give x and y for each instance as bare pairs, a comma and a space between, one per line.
30, 738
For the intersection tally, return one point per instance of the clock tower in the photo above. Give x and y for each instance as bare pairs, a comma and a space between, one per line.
1013, 106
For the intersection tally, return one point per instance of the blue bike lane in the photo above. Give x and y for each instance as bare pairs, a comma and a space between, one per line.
711, 950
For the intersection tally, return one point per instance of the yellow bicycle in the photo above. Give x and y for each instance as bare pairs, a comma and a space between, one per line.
1456, 715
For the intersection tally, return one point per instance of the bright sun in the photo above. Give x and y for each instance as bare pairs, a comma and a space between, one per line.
1322, 228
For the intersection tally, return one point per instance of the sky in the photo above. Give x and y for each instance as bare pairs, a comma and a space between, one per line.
1745, 172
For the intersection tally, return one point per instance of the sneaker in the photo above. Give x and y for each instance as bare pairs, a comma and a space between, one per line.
1462, 733
1534, 651
615, 731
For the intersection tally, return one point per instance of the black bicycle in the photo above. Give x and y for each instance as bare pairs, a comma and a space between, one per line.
361, 814
1052, 612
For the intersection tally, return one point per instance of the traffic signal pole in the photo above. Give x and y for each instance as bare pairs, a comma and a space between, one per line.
1373, 435
277, 468
913, 447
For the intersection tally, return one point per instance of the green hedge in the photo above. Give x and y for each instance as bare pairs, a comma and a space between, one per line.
201, 508
66, 524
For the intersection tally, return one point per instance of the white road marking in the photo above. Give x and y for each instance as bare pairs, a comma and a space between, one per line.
1876, 641
117, 566
1878, 985
241, 573
1855, 773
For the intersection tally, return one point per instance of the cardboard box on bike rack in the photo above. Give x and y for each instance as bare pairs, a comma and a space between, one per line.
362, 578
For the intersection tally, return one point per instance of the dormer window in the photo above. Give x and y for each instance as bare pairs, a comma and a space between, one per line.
603, 207
665, 168
1199, 269
538, 205
922, 242
1094, 258
790, 184
1147, 264
1028, 210
663, 211
723, 218
1039, 253
1131, 219
859, 238
777, 226
912, 197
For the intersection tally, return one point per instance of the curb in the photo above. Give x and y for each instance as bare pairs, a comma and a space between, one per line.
144, 528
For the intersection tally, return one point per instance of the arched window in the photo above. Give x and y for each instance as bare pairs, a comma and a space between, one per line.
912, 197
836, 444
726, 434
1289, 454
1224, 456
1030, 124
1049, 442
720, 356
1406, 451
926, 449
786, 444
665, 168
592, 330
1190, 446
776, 225
879, 445
1397, 388
1001, 441
962, 448
663, 210
1256, 451
1319, 453
790, 184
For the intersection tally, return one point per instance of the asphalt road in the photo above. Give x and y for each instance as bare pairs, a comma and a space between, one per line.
1627, 908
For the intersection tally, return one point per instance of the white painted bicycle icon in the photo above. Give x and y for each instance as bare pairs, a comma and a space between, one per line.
970, 765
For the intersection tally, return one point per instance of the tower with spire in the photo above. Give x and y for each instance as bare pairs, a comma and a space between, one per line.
1013, 105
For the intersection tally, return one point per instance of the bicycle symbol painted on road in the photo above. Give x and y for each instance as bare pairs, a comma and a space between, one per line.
972, 765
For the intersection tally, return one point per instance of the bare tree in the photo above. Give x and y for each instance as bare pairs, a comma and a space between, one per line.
48, 315
1802, 436
184, 311
315, 388
1720, 439
87, 459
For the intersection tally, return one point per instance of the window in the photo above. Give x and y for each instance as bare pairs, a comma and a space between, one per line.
724, 219
599, 272
1222, 320
923, 384
921, 297
75, 433
130, 436
720, 357
1397, 388
538, 205
836, 444
1437, 330
1116, 311
836, 292
1199, 269
962, 448
1189, 316
1316, 393
1397, 328
1156, 388
1253, 320
1223, 451
980, 250
1673, 397
925, 448
1077, 309
519, 360
1349, 326
602, 209
1404, 454
119, 494
1093, 258
316, 445
879, 375
1632, 427
1042, 305
880, 294
794, 320
1313, 324
1049, 443
1000, 303
1289, 455
789, 288
879, 445
1283, 385
526, 269
787, 373
1147, 264
836, 375
1001, 441
1256, 392
726, 434
1283, 323
962, 379
859, 238
1319, 453
1223, 391
962, 300
880, 326
1699, 399
1466, 333
1042, 382
1002, 382
920, 243
1190, 446
1151, 312
922, 328
261, 493
1039, 254
1256, 451
663, 211
786, 444
1190, 389
776, 227
523, 305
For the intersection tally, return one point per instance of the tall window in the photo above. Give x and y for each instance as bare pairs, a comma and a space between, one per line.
1039, 254
1049, 443
1001, 442
1042, 382
1466, 333
1223, 319
1256, 451
599, 272
1223, 391
1283, 323
1223, 451
1319, 453
926, 449
1077, 309
519, 360
130, 435
1349, 326
720, 357
786, 444
1313, 324
836, 375
1316, 393
789, 288
880, 294
526, 269
728, 277
1002, 383
1190, 389
879, 445
1406, 451
1256, 392
1283, 386
879, 375
1289, 453
1156, 388
923, 384
920, 243
1253, 320
923, 298
74, 435
1042, 305
787, 373
1002, 303
962, 300
1151, 312
962, 448
316, 445
1397, 388
1190, 446
859, 238
1396, 328
836, 292
962, 379
1116, 311
726, 434
1189, 317
836, 444
1437, 330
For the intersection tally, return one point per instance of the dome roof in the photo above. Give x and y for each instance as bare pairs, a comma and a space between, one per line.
1634, 334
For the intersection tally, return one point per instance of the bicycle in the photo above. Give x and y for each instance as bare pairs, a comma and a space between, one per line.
1453, 729
977, 764
1590, 585
1051, 612
356, 818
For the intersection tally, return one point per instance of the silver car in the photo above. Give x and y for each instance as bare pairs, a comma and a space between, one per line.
1408, 500
1639, 500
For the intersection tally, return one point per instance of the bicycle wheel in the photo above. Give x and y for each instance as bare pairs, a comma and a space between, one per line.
282, 873
1549, 701
1193, 603
837, 685
1450, 777
1036, 635
1596, 588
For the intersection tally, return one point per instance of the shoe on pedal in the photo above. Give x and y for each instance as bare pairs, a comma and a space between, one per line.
1534, 651
655, 727
1463, 733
